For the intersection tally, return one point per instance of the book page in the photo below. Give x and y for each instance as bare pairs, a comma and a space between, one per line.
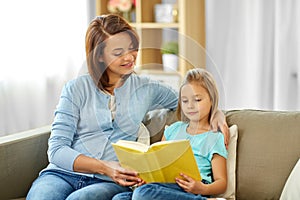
136, 146
161, 144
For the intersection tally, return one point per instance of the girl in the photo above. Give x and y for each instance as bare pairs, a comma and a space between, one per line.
198, 103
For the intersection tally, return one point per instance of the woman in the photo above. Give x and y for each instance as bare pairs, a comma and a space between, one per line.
95, 110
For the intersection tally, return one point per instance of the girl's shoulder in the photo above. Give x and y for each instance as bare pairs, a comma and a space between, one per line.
217, 135
175, 128
177, 124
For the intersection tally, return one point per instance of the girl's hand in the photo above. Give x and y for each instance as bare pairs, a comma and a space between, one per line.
190, 185
122, 176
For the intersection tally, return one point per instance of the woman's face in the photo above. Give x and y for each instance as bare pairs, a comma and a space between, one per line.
119, 55
195, 102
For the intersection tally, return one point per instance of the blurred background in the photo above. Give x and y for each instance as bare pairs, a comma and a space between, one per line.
252, 47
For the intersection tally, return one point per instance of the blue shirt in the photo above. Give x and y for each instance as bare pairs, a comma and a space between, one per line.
83, 123
204, 145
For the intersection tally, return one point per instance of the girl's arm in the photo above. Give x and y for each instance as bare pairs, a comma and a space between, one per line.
217, 187
219, 171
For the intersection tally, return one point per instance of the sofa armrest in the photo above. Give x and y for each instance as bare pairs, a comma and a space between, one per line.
22, 157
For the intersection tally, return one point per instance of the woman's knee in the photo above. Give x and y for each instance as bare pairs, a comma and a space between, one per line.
49, 187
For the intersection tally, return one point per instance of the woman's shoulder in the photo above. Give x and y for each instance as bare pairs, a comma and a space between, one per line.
82, 85
80, 81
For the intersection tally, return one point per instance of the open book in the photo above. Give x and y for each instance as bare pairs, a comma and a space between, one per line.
161, 162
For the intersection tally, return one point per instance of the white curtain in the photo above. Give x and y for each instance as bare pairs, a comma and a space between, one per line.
41, 46
253, 50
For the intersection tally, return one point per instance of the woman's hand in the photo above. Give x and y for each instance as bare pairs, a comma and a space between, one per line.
190, 185
122, 176
111, 169
218, 122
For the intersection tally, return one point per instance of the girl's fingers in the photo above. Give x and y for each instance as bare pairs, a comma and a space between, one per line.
186, 177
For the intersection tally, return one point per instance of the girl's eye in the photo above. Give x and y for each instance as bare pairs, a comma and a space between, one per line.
184, 101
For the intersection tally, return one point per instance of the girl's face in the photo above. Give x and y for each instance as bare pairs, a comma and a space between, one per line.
195, 102
119, 55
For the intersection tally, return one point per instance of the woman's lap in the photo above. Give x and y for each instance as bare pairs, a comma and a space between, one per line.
60, 185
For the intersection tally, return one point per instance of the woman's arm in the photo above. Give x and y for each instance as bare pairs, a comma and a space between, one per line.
163, 96
111, 169
219, 123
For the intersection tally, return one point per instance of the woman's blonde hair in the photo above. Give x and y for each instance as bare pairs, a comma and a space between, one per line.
206, 80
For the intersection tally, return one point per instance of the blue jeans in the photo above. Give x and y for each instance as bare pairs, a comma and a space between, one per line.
164, 191
62, 185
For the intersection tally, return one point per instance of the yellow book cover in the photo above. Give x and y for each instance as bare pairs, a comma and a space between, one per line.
160, 162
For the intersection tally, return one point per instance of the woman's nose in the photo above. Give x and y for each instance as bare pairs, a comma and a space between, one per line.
129, 57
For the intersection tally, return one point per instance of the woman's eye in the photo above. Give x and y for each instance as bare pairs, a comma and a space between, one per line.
117, 53
197, 100
184, 101
131, 49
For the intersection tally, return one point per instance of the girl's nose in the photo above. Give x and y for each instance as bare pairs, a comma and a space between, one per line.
191, 104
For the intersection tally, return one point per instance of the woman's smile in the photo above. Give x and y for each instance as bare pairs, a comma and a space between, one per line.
128, 65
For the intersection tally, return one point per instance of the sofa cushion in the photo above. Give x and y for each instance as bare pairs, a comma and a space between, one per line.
231, 164
291, 188
156, 120
267, 150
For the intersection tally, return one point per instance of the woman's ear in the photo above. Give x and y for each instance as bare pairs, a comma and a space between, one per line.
100, 59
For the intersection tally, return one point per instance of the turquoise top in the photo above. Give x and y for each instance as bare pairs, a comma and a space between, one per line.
204, 145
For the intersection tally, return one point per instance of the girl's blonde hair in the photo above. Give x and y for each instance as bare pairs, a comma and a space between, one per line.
206, 80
